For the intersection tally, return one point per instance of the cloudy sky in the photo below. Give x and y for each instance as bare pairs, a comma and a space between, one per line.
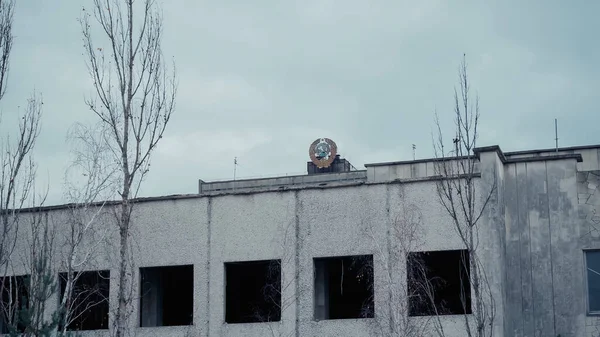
260, 80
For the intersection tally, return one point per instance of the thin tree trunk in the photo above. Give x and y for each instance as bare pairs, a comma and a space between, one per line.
456, 193
135, 111
123, 265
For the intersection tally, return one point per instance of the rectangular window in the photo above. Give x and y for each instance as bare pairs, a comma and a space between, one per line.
253, 291
15, 299
592, 261
438, 283
167, 296
344, 287
88, 302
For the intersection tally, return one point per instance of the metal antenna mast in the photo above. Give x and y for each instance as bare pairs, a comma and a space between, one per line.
556, 133
414, 148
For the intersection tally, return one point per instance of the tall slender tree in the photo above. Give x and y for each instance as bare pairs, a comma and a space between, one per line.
465, 201
22, 314
88, 184
134, 99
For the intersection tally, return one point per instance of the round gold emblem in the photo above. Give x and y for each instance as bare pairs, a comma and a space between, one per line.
322, 152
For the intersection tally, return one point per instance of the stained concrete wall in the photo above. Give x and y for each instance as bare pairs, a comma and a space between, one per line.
544, 292
168, 232
298, 226
491, 229
294, 226
248, 228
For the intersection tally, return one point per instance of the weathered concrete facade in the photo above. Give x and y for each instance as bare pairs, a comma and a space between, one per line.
550, 217
533, 234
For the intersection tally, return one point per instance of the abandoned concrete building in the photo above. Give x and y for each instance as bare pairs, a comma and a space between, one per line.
309, 255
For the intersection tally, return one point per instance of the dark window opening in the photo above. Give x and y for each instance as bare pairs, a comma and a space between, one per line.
344, 287
88, 300
253, 291
15, 303
438, 283
167, 296
592, 262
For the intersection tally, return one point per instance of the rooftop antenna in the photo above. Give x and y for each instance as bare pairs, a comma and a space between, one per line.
234, 167
234, 171
556, 133
414, 148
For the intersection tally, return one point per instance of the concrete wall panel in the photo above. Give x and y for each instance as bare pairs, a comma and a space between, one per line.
566, 255
524, 251
513, 310
541, 262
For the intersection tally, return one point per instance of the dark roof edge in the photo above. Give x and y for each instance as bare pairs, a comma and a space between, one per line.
504, 156
243, 192
108, 202
476, 152
570, 148
545, 158
275, 177
418, 161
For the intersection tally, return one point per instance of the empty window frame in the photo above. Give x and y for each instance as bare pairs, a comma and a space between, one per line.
253, 291
167, 296
344, 287
88, 303
15, 299
592, 263
438, 283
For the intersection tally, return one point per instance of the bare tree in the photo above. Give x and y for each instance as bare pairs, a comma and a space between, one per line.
22, 298
42, 283
404, 289
17, 175
25, 297
17, 169
458, 193
279, 291
17, 180
134, 100
88, 184
7, 10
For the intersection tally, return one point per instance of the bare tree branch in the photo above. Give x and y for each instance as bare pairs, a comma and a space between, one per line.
404, 236
7, 10
136, 97
457, 193
279, 291
88, 183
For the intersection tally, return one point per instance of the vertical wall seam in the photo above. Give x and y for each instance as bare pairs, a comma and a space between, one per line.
551, 255
208, 246
297, 209
530, 254
501, 217
520, 244
389, 252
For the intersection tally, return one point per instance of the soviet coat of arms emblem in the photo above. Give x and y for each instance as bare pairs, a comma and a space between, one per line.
322, 152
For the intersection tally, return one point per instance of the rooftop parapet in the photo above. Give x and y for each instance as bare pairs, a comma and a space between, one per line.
274, 183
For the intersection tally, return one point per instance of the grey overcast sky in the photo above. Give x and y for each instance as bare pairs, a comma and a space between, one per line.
261, 80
